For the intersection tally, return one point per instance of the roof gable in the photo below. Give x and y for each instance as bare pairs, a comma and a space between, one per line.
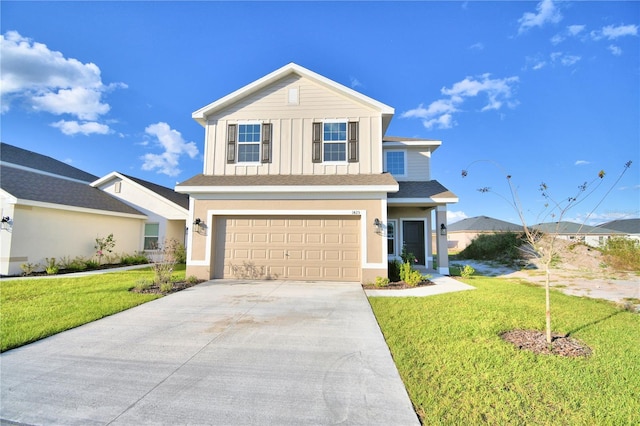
181, 200
201, 114
628, 226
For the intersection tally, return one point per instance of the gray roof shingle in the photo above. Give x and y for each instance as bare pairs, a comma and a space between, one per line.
628, 226
484, 224
565, 227
22, 157
422, 189
32, 186
290, 180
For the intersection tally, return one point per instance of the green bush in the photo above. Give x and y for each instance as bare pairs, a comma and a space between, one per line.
410, 276
134, 259
192, 279
622, 253
143, 284
500, 246
29, 268
166, 287
394, 271
466, 271
381, 282
51, 268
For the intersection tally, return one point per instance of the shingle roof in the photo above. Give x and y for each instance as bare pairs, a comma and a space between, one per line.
290, 180
22, 157
403, 139
573, 228
628, 226
32, 186
175, 197
416, 189
484, 224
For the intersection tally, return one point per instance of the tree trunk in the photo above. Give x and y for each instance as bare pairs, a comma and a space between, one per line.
548, 305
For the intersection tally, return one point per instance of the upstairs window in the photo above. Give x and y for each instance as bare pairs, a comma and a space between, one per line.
395, 163
334, 142
248, 143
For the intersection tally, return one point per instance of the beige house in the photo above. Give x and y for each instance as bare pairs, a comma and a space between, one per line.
463, 232
300, 182
53, 210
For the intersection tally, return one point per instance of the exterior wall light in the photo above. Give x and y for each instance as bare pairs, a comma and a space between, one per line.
379, 225
6, 223
443, 229
199, 225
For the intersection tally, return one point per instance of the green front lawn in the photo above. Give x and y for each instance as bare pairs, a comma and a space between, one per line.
36, 308
458, 370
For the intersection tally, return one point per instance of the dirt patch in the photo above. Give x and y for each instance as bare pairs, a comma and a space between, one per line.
536, 342
399, 285
177, 286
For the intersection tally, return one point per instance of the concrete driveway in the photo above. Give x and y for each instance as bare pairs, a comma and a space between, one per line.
220, 353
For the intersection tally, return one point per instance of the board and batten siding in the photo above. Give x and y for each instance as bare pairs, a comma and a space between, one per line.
292, 130
418, 164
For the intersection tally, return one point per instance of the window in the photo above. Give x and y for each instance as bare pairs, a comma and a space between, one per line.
391, 237
395, 163
151, 234
248, 143
334, 141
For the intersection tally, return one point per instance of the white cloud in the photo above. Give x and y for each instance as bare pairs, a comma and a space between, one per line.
571, 31
455, 216
477, 46
546, 13
615, 50
574, 30
355, 83
174, 147
564, 59
86, 128
613, 33
440, 112
46, 81
581, 163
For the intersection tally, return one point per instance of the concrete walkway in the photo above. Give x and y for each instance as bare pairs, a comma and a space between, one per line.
220, 353
443, 284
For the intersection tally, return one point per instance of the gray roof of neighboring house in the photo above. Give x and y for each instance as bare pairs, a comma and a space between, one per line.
175, 197
33, 186
628, 226
33, 160
483, 224
573, 228
422, 189
290, 180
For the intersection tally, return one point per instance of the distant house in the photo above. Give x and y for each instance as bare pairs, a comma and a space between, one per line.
461, 233
594, 236
630, 227
51, 210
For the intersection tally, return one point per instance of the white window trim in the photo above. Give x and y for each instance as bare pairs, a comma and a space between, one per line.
346, 141
406, 163
145, 236
238, 143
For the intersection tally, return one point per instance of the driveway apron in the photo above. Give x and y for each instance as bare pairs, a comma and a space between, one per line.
220, 353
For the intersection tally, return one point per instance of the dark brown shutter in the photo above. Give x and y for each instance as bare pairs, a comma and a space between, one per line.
352, 142
231, 143
266, 142
316, 147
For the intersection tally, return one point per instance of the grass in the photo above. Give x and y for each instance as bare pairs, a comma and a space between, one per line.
37, 308
458, 370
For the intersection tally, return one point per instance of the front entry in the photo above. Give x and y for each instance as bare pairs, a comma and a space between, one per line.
413, 239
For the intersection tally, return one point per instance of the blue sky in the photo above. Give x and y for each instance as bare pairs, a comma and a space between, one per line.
547, 91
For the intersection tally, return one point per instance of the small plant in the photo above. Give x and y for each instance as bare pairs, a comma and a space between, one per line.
192, 279
91, 264
29, 268
407, 257
104, 246
134, 259
181, 254
142, 285
163, 267
409, 275
51, 268
394, 271
466, 271
381, 282
166, 287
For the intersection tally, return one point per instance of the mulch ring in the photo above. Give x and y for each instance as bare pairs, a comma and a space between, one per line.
177, 286
536, 342
398, 285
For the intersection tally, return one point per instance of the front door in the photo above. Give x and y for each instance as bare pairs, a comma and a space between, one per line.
413, 239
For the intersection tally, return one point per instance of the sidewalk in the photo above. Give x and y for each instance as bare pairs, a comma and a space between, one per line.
81, 274
443, 284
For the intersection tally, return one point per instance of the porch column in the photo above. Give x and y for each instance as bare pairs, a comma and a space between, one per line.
442, 243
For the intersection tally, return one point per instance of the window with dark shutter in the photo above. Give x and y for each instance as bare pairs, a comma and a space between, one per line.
352, 149
316, 147
231, 143
266, 143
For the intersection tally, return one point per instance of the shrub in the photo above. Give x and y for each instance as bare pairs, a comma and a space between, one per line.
104, 246
381, 282
500, 246
192, 279
409, 275
407, 257
51, 268
29, 268
143, 284
163, 268
166, 287
181, 253
466, 271
622, 253
91, 264
134, 259
394, 271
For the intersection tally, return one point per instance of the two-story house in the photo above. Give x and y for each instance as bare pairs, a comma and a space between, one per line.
300, 182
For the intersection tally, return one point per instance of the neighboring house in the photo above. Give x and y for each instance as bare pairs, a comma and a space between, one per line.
594, 236
49, 210
53, 210
300, 182
629, 227
166, 210
461, 233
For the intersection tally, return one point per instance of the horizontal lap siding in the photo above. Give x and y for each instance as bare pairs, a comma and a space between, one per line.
295, 248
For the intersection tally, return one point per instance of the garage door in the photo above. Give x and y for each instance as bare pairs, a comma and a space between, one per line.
293, 248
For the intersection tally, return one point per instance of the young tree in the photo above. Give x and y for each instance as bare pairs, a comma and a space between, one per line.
543, 245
